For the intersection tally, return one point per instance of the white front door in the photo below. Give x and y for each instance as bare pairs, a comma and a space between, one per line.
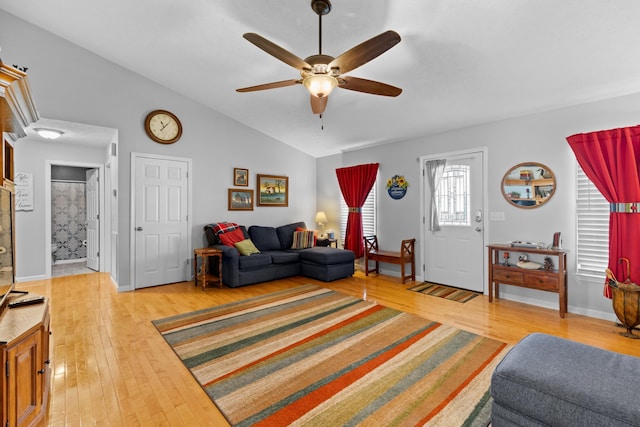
454, 255
92, 196
160, 193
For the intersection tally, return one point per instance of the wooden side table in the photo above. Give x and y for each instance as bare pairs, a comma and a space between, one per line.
202, 275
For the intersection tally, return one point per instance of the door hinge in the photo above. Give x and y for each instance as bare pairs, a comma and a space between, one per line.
7, 368
98, 254
98, 216
423, 269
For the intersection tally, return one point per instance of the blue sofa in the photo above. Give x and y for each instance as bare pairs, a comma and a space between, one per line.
277, 259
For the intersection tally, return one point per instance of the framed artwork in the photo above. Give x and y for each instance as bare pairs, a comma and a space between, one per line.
273, 190
240, 177
240, 199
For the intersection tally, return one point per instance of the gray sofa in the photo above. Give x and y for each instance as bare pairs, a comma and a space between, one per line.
550, 381
277, 259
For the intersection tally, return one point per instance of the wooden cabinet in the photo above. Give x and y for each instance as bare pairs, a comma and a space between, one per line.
24, 349
554, 280
7, 165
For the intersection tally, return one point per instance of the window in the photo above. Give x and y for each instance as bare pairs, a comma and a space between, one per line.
592, 221
453, 196
368, 215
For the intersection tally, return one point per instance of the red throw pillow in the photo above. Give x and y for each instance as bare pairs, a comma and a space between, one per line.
231, 237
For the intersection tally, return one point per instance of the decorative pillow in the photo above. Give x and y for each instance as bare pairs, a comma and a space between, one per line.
303, 239
315, 234
229, 238
223, 227
246, 247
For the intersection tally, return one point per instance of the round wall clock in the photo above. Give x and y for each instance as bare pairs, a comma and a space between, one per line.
163, 127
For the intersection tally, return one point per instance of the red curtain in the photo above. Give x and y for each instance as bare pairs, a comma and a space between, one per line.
355, 184
611, 160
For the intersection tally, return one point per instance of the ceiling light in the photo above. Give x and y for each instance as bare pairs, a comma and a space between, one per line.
49, 133
320, 85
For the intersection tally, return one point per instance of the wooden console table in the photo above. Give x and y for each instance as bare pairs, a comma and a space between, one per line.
550, 281
203, 275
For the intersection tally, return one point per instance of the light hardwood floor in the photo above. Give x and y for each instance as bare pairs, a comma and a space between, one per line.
111, 366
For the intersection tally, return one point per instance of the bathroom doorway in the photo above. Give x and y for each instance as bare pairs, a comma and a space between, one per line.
75, 221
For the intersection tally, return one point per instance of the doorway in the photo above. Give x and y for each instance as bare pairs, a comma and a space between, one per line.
74, 219
453, 246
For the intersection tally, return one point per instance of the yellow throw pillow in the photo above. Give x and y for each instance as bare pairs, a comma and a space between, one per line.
246, 247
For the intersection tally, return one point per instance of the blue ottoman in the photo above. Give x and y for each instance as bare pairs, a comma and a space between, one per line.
326, 264
550, 381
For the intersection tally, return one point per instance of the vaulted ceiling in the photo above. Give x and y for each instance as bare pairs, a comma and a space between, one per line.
460, 62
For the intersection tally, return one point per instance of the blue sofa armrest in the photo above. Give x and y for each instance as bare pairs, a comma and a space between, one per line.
230, 265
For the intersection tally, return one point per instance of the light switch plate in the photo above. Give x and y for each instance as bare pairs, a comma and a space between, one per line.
496, 216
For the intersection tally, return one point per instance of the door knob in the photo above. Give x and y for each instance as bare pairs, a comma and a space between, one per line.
478, 229
139, 229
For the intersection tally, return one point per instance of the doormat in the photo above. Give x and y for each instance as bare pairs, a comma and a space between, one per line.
314, 357
446, 292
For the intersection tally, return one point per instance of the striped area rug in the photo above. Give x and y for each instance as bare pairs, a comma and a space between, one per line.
314, 357
446, 292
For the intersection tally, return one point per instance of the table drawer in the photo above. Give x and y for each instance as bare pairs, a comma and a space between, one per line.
508, 276
546, 282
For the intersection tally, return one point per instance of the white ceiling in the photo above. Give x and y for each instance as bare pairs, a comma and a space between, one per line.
460, 62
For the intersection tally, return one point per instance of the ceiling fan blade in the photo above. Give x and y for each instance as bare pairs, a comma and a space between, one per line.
368, 86
318, 105
365, 51
276, 51
265, 86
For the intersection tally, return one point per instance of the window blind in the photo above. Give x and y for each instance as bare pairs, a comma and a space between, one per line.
592, 219
368, 215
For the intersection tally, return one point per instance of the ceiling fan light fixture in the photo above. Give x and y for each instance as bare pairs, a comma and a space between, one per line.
320, 85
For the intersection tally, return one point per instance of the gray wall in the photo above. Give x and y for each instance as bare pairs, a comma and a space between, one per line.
32, 243
537, 137
71, 84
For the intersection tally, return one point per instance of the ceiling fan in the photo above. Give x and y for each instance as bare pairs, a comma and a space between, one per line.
320, 74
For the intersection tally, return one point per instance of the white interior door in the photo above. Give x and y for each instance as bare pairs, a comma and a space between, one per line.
454, 255
92, 197
161, 221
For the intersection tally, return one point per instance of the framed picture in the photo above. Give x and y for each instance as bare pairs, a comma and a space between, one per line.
240, 199
240, 177
273, 190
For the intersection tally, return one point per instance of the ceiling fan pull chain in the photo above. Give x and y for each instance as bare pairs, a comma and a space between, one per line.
322, 122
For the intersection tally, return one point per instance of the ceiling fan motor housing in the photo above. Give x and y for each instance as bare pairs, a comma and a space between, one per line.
321, 7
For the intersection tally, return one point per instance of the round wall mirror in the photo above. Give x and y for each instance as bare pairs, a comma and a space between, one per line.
528, 185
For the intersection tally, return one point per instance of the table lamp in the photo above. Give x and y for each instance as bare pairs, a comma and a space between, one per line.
321, 219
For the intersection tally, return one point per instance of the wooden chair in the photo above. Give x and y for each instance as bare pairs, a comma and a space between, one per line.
406, 255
